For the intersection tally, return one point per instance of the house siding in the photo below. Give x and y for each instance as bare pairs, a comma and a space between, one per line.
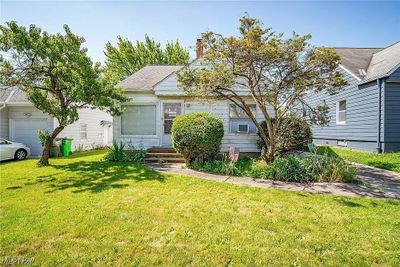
392, 117
220, 108
395, 76
4, 123
361, 128
95, 131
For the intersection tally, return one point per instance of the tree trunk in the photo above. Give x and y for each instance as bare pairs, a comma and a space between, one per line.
44, 159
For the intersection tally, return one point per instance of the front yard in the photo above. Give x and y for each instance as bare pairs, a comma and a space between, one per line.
84, 211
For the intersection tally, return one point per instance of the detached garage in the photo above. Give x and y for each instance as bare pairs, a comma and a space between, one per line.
20, 122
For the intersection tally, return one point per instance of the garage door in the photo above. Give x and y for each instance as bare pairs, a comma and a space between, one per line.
25, 131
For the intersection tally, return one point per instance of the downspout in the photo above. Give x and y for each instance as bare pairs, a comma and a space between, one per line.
2, 106
378, 141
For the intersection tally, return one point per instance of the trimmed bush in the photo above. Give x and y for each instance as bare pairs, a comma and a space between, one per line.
197, 136
293, 135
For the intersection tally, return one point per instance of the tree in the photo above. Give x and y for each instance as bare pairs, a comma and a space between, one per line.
125, 58
56, 73
275, 72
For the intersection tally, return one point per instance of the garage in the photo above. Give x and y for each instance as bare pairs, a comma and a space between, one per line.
25, 131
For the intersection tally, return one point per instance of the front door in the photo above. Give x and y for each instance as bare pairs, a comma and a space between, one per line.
170, 111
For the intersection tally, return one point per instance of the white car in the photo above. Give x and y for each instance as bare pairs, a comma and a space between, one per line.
12, 150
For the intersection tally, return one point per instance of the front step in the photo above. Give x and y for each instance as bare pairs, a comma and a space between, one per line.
164, 155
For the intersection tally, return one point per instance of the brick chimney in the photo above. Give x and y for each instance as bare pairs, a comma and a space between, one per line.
199, 48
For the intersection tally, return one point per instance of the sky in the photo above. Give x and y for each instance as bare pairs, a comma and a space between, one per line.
340, 23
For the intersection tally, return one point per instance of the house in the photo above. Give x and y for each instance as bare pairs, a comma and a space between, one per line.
20, 121
155, 100
366, 114
371, 98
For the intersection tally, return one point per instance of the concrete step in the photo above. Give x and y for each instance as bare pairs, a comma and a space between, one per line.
161, 150
162, 155
168, 160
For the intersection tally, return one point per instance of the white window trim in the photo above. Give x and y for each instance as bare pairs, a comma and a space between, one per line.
337, 112
156, 104
80, 131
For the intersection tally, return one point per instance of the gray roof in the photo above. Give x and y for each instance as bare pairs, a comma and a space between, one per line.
147, 77
369, 64
383, 62
12, 95
356, 60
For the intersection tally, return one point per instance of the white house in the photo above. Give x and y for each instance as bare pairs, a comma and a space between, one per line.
155, 100
20, 121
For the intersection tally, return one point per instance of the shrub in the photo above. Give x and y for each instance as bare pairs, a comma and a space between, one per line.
293, 135
293, 169
197, 136
118, 153
260, 169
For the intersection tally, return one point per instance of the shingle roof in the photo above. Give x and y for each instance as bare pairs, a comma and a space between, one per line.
356, 60
147, 77
383, 62
369, 64
12, 95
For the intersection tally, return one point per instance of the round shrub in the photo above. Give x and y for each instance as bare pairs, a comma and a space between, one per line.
293, 135
197, 136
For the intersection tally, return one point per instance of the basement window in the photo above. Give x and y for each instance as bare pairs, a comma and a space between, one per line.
341, 112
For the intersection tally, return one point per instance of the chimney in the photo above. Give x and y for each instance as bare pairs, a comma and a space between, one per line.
199, 48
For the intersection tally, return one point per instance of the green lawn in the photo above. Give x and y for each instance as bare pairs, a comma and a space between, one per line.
83, 211
388, 161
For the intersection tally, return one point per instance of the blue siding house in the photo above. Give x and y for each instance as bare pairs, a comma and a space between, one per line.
365, 115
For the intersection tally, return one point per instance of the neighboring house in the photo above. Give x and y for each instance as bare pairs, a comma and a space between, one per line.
20, 121
155, 100
366, 114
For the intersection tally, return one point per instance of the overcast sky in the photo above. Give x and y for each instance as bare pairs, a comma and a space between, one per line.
352, 24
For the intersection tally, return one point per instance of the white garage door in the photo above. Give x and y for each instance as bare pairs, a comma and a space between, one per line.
25, 131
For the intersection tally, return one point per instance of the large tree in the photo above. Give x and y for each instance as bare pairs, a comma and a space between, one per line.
56, 73
276, 74
126, 58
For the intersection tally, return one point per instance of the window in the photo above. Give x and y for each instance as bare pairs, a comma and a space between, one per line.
83, 131
341, 112
139, 120
239, 122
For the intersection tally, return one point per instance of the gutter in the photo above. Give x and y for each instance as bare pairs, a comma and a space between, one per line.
378, 141
2, 106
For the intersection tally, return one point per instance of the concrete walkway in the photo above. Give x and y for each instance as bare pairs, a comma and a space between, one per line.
378, 183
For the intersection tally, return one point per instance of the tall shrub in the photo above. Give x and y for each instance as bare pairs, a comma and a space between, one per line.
197, 136
293, 134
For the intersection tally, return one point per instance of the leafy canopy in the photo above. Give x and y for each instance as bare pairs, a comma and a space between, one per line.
126, 58
55, 72
262, 67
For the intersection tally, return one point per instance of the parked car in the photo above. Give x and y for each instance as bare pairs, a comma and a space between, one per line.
12, 150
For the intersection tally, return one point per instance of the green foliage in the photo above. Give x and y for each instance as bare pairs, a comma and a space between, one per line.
221, 165
43, 135
197, 136
56, 73
293, 134
261, 170
126, 58
118, 152
293, 169
278, 72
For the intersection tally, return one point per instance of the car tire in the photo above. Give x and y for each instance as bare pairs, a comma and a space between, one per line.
20, 154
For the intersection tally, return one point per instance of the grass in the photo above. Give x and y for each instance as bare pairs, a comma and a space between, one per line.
387, 161
84, 211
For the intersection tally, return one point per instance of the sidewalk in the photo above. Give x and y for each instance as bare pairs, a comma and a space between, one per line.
379, 183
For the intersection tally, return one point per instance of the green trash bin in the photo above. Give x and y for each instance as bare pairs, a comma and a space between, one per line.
65, 147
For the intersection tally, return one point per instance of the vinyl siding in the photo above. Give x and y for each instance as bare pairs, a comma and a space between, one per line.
19, 113
4, 123
395, 76
392, 117
361, 125
95, 131
220, 108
